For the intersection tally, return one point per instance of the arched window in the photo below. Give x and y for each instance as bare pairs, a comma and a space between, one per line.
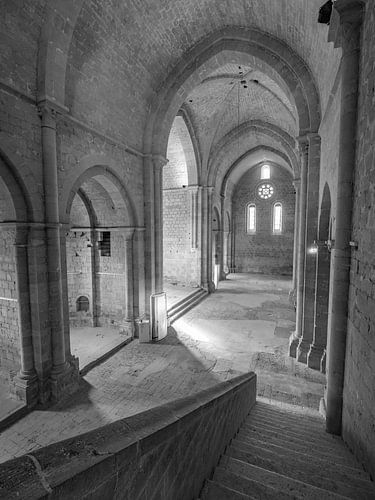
251, 223
82, 304
265, 172
277, 218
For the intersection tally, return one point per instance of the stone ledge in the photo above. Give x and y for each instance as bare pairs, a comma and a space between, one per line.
135, 453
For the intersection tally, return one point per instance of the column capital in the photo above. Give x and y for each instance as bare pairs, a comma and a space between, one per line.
296, 183
48, 110
346, 21
128, 233
159, 161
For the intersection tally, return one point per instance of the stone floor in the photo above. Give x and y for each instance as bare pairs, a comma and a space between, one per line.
89, 343
243, 326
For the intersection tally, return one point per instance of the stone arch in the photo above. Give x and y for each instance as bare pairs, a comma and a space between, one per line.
181, 169
54, 44
192, 147
285, 142
280, 159
225, 45
17, 190
15, 292
104, 171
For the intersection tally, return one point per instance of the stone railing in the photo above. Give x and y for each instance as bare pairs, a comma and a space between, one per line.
166, 452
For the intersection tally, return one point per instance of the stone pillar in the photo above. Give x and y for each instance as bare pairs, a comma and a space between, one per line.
128, 322
158, 302
351, 15
39, 308
297, 187
26, 381
319, 343
296, 336
311, 234
207, 264
194, 216
158, 228
61, 377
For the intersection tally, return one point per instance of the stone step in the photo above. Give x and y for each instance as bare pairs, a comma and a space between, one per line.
287, 485
325, 464
320, 438
302, 429
215, 491
298, 421
307, 472
301, 448
290, 439
184, 305
248, 485
291, 414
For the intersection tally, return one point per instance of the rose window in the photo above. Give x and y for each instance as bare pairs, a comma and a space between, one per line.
265, 191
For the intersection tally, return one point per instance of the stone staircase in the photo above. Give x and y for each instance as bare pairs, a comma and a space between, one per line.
184, 305
280, 453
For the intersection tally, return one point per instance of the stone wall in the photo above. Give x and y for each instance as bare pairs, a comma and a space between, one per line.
264, 252
359, 394
9, 327
78, 259
111, 280
166, 452
181, 262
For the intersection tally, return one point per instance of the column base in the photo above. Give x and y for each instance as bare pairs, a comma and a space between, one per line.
293, 344
127, 327
314, 357
64, 381
26, 388
302, 351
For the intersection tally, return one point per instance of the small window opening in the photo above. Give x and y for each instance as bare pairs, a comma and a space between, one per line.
265, 172
105, 244
251, 218
82, 304
277, 218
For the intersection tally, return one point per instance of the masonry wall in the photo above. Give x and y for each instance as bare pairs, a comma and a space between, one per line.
359, 394
111, 283
78, 259
9, 327
181, 263
264, 252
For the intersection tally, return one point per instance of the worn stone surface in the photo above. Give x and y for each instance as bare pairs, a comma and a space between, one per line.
157, 452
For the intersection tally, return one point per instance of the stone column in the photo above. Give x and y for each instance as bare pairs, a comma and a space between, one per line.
128, 323
63, 374
319, 343
296, 336
297, 186
194, 216
26, 381
207, 238
311, 234
39, 308
53, 239
158, 302
158, 228
351, 15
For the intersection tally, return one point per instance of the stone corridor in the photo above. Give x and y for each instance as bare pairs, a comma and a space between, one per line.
244, 326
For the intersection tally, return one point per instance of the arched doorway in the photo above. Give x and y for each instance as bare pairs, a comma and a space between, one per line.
99, 265
17, 370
